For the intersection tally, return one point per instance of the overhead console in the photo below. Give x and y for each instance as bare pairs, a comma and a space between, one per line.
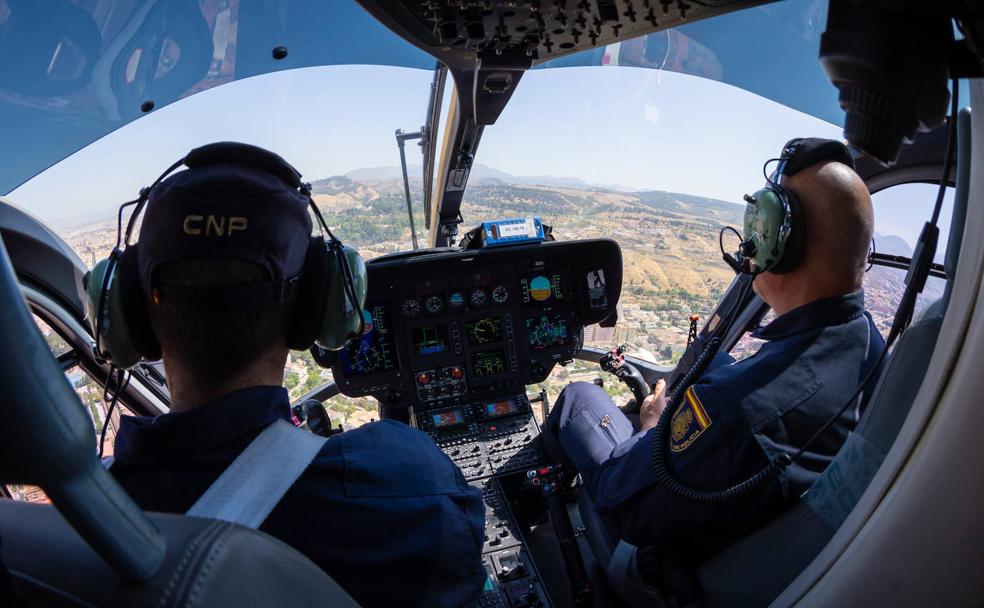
466, 326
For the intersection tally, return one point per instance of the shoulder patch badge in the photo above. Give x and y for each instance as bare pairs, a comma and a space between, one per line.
689, 421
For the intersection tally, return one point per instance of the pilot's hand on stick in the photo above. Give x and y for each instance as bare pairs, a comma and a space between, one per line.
653, 406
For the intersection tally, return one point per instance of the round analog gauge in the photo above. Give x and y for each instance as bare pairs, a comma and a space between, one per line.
434, 305
479, 298
500, 294
485, 331
411, 308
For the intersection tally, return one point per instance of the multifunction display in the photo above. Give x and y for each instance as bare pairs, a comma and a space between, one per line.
374, 352
544, 331
488, 363
503, 407
440, 420
541, 287
431, 340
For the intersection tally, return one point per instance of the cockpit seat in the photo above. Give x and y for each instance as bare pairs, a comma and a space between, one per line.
775, 554
754, 570
207, 563
98, 547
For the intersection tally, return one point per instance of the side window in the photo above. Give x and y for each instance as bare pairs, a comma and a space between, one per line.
56, 343
900, 212
303, 375
747, 345
90, 394
58, 347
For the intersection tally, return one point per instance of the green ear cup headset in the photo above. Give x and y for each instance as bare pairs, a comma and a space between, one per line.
331, 285
772, 236
768, 239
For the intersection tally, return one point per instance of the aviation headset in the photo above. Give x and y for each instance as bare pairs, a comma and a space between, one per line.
331, 284
772, 237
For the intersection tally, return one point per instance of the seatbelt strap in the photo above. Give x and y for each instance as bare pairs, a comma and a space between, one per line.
250, 488
619, 567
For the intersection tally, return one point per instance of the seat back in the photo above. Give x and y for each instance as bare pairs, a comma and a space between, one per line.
46, 439
756, 568
207, 563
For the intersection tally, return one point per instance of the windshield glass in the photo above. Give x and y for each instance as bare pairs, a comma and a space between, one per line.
656, 160
335, 124
775, 54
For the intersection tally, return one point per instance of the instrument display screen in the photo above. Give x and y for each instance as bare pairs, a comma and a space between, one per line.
430, 340
542, 287
488, 363
447, 418
501, 408
544, 331
374, 351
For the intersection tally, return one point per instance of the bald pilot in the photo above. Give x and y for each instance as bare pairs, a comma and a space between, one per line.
740, 415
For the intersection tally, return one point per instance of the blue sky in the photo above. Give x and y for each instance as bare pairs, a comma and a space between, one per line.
638, 128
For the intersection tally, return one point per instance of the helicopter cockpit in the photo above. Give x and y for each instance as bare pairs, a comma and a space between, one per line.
577, 164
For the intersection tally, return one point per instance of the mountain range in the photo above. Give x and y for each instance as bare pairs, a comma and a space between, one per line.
481, 175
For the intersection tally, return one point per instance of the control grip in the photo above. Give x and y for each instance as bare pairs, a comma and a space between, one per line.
632, 377
614, 363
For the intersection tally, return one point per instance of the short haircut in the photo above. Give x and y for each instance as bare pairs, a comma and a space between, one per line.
217, 343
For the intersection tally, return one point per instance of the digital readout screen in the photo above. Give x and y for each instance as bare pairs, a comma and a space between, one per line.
542, 288
430, 340
501, 408
448, 418
488, 363
545, 331
374, 350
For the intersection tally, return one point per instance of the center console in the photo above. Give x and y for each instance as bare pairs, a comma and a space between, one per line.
454, 338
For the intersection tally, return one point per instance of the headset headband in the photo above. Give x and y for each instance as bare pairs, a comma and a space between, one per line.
245, 155
803, 152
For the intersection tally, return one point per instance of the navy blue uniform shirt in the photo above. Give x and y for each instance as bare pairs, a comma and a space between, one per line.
381, 509
730, 424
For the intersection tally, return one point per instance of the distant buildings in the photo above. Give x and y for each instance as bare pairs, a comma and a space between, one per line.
598, 335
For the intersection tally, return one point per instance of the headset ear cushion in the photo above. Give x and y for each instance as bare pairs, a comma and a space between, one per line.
134, 303
796, 241
312, 292
342, 321
104, 311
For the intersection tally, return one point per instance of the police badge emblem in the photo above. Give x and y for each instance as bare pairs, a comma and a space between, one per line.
689, 422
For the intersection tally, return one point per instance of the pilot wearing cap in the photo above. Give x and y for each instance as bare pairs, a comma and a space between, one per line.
741, 415
380, 508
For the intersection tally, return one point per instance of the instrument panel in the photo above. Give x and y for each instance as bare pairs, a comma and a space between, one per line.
454, 326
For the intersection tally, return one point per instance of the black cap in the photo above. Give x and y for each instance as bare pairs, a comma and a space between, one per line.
225, 211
